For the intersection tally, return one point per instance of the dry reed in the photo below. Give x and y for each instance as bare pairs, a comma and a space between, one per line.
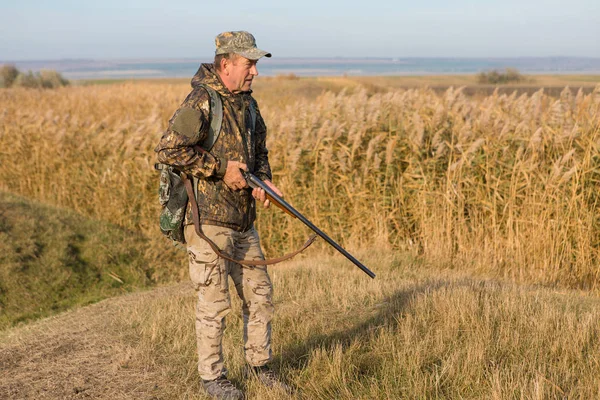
506, 184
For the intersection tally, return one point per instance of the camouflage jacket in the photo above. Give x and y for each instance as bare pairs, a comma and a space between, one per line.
238, 141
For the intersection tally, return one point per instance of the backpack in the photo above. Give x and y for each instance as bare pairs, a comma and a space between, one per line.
172, 193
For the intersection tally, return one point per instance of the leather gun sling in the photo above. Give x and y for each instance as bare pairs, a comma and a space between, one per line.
215, 248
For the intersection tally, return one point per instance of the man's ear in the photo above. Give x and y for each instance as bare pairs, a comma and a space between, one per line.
224, 65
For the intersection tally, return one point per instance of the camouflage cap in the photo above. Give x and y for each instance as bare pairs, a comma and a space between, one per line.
239, 42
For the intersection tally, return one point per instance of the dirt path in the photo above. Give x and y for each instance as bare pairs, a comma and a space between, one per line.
76, 355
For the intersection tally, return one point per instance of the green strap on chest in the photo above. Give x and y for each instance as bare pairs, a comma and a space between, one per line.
216, 118
252, 110
216, 121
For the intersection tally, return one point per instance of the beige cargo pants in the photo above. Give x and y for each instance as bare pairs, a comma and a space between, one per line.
209, 274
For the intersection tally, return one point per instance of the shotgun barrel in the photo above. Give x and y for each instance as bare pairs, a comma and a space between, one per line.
255, 182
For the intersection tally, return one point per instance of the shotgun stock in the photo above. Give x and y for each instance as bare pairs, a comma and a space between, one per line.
255, 182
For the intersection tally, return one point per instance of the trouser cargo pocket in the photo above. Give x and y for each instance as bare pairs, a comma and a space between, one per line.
204, 273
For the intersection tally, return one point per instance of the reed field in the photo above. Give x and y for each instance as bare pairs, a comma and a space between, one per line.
479, 214
504, 184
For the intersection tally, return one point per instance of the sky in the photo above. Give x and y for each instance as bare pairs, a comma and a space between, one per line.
109, 29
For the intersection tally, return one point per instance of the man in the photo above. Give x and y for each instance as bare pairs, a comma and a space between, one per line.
226, 207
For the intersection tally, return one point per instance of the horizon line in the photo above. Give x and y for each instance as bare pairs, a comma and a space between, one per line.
303, 58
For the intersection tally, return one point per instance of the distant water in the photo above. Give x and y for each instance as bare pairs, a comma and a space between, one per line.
185, 68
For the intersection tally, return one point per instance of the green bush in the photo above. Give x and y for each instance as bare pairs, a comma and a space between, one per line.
10, 76
494, 77
52, 79
27, 80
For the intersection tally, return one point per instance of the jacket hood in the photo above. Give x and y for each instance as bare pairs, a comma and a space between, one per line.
207, 74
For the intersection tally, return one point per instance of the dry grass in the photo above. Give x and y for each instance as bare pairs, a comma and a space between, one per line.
416, 332
77, 355
504, 184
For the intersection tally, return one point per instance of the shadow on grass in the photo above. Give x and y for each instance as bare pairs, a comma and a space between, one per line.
296, 357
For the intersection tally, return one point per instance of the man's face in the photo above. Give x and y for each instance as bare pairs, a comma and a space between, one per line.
240, 72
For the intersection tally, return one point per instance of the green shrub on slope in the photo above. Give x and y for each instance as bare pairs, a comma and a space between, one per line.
52, 259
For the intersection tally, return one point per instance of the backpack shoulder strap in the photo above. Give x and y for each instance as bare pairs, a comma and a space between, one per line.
216, 118
252, 109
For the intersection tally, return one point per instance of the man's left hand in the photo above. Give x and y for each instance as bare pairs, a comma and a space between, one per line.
260, 195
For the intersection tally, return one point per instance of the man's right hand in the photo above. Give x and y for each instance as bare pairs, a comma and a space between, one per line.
233, 177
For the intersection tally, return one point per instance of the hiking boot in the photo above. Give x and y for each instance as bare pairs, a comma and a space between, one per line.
267, 377
222, 389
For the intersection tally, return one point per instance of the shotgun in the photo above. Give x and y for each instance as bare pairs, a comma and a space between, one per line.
255, 182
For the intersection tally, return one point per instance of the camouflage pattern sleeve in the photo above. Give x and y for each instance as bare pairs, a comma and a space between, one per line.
262, 168
180, 144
